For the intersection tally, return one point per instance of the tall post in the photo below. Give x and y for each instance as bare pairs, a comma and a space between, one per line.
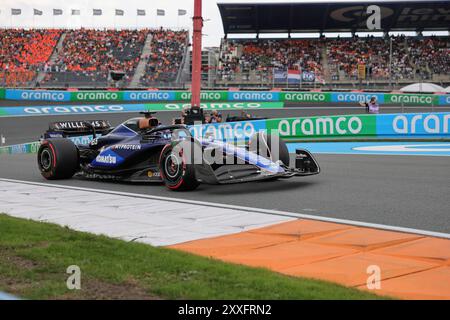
197, 54
390, 63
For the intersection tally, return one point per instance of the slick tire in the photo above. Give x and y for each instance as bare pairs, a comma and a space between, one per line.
177, 173
58, 159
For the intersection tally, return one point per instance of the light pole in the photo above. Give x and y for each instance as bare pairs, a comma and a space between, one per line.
197, 55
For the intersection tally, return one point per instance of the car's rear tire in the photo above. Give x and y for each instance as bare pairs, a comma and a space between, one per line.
263, 144
58, 159
176, 173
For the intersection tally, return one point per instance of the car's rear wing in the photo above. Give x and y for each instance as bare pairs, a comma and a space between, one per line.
65, 129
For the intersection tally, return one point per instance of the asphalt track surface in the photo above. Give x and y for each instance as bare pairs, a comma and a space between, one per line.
403, 191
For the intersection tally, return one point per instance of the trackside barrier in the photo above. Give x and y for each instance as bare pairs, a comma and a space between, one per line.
259, 96
423, 125
92, 109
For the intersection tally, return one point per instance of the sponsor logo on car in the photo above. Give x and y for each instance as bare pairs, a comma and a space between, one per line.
107, 159
65, 125
126, 147
152, 174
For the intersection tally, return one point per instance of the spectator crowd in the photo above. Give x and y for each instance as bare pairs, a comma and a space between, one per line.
89, 55
167, 51
262, 56
24, 52
412, 57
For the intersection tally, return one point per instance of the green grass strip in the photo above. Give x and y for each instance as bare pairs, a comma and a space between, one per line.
34, 257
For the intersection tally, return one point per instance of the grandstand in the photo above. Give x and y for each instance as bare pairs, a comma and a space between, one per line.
161, 58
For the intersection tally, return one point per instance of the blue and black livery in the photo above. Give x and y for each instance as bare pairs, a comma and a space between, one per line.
142, 150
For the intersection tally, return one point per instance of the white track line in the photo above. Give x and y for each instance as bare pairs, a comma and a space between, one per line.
248, 209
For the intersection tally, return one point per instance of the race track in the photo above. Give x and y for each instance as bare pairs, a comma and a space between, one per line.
404, 191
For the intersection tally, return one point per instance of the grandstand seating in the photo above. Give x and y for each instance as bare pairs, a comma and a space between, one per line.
85, 57
24, 52
412, 58
246, 57
168, 48
88, 55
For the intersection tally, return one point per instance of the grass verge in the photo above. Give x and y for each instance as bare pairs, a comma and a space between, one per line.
34, 257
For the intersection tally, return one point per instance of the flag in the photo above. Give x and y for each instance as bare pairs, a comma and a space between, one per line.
97, 12
76, 12
57, 12
37, 12
16, 12
294, 75
119, 12
140, 12
182, 12
160, 12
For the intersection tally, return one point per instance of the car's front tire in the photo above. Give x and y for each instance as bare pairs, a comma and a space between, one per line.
176, 173
58, 159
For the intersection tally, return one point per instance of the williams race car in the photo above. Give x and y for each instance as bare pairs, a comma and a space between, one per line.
143, 150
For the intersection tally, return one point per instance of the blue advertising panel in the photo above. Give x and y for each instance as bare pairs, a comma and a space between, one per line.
414, 124
149, 96
37, 95
444, 100
229, 130
355, 97
253, 96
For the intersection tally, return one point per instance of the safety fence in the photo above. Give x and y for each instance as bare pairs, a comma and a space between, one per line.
258, 96
413, 125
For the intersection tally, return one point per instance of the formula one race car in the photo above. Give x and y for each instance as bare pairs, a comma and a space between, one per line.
143, 150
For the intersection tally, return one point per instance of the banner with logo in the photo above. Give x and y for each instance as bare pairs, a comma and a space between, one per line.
253, 96
305, 96
263, 96
229, 130
355, 97
204, 95
412, 99
149, 95
97, 96
92, 109
414, 124
37, 95
316, 127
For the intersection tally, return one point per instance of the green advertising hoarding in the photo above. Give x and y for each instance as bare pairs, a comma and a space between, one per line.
216, 106
2, 93
314, 97
316, 127
411, 99
97, 96
205, 95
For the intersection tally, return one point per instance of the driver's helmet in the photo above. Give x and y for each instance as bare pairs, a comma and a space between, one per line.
148, 123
